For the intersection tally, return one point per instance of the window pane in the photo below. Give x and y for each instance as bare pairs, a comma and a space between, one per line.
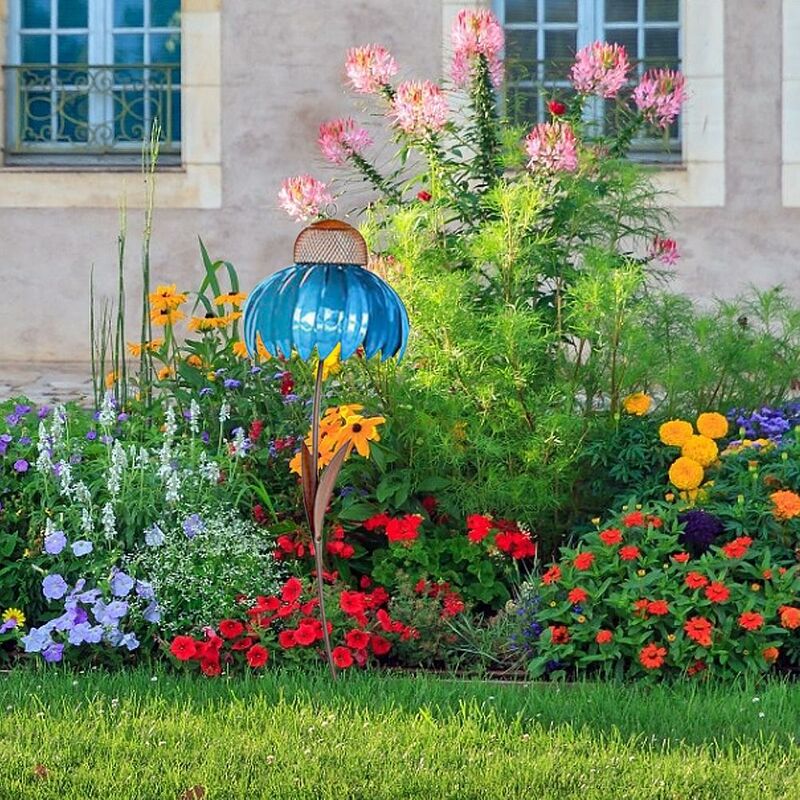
521, 10
36, 122
35, 13
129, 116
522, 105
661, 10
73, 13
73, 117
561, 10
165, 13
165, 48
521, 55
73, 49
35, 49
128, 13
128, 48
661, 47
622, 10
624, 36
559, 52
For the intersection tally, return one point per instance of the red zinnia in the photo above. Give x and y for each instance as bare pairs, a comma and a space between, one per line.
356, 639
658, 608
184, 648
286, 640
640, 607
577, 595
681, 558
257, 656
380, 646
629, 552
553, 575
694, 580
633, 520
292, 589
652, 656
342, 657
231, 628
738, 547
478, 527
604, 637
717, 592
583, 561
559, 634
751, 620
699, 630
611, 536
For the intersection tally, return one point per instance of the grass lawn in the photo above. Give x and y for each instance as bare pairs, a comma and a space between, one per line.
133, 735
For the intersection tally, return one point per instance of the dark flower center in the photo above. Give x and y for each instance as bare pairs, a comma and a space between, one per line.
357, 427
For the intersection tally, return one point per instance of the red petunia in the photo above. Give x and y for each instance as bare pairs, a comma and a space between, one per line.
604, 637
583, 561
342, 657
356, 639
478, 527
751, 620
378, 597
629, 553
292, 589
658, 608
553, 575
559, 634
717, 592
681, 558
698, 629
184, 648
257, 656
286, 639
577, 595
380, 646
652, 656
210, 667
384, 620
738, 547
308, 631
352, 603
516, 544
231, 628
694, 580
243, 644
611, 536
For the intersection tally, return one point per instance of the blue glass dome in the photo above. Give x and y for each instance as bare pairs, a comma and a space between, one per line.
307, 306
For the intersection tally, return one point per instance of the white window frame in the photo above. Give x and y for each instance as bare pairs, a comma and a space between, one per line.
100, 32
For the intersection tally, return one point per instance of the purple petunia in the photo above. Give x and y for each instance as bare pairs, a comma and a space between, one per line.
121, 584
55, 542
54, 587
53, 653
21, 465
91, 435
82, 547
193, 525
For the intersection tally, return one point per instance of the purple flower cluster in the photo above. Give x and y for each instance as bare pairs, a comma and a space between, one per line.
529, 629
15, 417
766, 422
700, 529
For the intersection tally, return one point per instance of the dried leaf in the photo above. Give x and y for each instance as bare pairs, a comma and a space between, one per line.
194, 793
41, 772
327, 482
308, 479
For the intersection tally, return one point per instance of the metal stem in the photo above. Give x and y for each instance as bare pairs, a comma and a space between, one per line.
317, 534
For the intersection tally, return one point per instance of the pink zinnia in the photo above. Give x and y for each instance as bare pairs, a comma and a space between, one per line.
419, 107
665, 250
370, 68
341, 138
552, 145
600, 68
476, 33
660, 95
304, 197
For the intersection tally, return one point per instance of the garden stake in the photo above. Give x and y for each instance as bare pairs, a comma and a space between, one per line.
326, 299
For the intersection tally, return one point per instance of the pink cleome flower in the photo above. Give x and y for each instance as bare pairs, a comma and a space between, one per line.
369, 68
552, 145
419, 108
341, 138
665, 250
660, 95
304, 197
600, 68
476, 33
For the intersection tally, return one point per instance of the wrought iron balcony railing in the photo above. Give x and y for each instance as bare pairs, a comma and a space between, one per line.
95, 110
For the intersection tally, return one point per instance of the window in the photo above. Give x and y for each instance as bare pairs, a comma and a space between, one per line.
87, 79
542, 37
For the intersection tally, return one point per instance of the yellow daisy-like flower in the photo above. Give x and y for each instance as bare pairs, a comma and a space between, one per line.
167, 298
675, 432
164, 373
240, 349
686, 474
296, 464
194, 360
712, 425
637, 403
702, 449
135, 349
111, 378
234, 299
229, 319
263, 353
165, 316
359, 432
14, 614
210, 322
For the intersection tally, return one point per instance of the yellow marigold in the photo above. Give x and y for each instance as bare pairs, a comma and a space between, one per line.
167, 298
240, 349
637, 403
165, 316
675, 432
712, 424
786, 504
234, 299
702, 449
686, 474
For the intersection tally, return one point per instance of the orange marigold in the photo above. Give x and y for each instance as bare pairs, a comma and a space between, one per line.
675, 432
713, 425
786, 504
700, 449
